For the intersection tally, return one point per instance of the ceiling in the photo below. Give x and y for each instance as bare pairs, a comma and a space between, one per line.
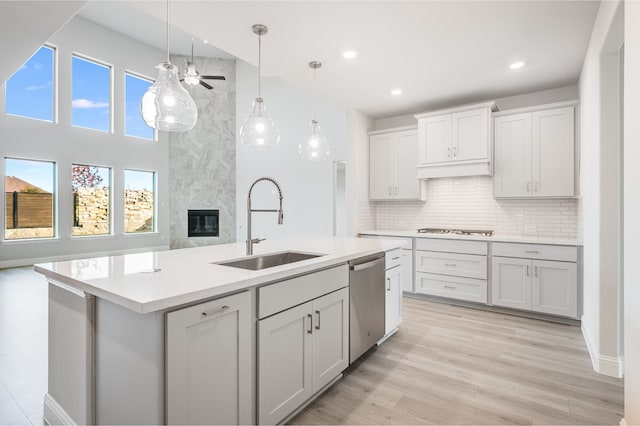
440, 53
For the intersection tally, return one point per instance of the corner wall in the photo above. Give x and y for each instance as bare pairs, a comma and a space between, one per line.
631, 213
600, 192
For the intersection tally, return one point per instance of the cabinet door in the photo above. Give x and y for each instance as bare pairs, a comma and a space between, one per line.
555, 288
380, 167
330, 337
512, 140
407, 182
470, 135
284, 363
393, 299
434, 139
511, 282
553, 153
209, 374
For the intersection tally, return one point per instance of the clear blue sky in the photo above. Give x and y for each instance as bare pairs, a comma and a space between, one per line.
29, 93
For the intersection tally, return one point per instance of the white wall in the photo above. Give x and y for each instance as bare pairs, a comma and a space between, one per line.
600, 186
307, 187
631, 213
360, 212
65, 144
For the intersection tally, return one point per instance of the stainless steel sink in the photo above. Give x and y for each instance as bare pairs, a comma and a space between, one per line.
268, 260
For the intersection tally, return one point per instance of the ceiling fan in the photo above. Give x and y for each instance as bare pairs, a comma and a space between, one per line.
192, 77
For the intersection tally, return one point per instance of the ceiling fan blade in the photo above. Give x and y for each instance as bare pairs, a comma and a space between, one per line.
213, 77
208, 86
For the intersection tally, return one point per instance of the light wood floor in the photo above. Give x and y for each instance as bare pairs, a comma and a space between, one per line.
454, 365
446, 365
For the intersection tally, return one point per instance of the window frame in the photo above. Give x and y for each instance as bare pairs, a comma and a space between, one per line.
111, 68
155, 202
124, 121
111, 232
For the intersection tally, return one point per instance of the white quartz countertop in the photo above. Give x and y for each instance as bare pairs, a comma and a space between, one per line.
153, 281
494, 238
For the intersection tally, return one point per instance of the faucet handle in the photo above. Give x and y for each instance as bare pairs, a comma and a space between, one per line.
257, 240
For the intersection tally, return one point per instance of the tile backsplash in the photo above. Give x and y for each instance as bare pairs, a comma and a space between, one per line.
468, 203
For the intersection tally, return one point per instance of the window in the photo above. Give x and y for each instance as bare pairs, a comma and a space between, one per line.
29, 199
91, 91
29, 91
139, 201
91, 190
134, 125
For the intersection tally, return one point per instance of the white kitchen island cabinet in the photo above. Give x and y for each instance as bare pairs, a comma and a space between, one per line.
171, 336
392, 165
209, 373
300, 351
535, 152
455, 141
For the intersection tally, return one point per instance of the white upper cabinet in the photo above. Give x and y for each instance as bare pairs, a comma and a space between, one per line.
455, 142
535, 153
392, 166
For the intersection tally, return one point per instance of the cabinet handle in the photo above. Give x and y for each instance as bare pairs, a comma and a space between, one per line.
531, 251
535, 271
450, 287
318, 324
528, 186
310, 330
448, 152
388, 284
536, 187
395, 258
396, 190
390, 191
215, 311
450, 264
455, 151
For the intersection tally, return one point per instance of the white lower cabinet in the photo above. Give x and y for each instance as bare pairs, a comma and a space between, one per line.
301, 350
393, 299
549, 287
209, 373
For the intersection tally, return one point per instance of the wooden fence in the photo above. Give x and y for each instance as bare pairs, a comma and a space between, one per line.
28, 210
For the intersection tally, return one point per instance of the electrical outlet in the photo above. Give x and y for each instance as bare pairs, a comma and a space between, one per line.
528, 229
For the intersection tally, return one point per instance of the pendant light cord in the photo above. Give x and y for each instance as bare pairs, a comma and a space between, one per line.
315, 112
259, 62
168, 31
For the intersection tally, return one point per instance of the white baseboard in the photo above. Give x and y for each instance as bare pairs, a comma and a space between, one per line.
603, 364
54, 414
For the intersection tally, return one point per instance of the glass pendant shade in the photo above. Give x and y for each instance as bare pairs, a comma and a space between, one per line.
258, 129
314, 147
166, 105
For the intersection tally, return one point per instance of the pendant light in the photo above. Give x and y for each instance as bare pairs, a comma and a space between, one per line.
314, 147
166, 105
258, 129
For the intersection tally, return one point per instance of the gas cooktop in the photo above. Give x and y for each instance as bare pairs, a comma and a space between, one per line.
484, 232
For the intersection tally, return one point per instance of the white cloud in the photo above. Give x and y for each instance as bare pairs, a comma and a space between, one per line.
40, 87
88, 104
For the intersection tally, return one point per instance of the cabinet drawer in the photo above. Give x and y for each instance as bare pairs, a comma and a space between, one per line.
535, 251
461, 265
452, 246
392, 258
283, 295
453, 287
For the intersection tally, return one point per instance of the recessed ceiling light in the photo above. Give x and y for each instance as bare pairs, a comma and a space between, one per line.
349, 54
396, 92
205, 41
516, 65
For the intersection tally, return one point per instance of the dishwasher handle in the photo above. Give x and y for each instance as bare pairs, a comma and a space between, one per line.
366, 265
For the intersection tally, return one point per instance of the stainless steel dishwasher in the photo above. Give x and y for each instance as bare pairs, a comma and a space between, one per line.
366, 303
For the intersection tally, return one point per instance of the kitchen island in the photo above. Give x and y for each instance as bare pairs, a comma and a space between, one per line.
126, 334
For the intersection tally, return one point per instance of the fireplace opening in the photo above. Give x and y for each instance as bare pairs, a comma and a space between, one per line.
203, 223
